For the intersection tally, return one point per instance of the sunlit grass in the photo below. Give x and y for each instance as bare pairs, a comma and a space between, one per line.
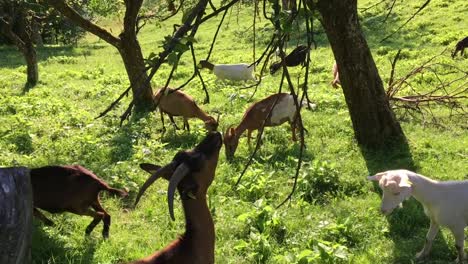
332, 218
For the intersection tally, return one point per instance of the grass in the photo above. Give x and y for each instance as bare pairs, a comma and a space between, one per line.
332, 218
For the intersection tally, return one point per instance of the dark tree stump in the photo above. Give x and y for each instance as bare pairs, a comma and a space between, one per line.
16, 212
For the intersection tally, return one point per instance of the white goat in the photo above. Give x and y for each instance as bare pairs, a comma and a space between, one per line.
233, 72
445, 203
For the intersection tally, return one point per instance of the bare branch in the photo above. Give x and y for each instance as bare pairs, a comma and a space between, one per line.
86, 24
407, 21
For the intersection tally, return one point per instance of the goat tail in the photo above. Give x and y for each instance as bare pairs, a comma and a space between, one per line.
117, 192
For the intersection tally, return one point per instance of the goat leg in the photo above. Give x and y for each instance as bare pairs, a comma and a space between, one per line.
186, 124
458, 233
106, 219
173, 122
43, 218
98, 216
431, 234
162, 121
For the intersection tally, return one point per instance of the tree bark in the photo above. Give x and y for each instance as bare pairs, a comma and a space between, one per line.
373, 120
131, 54
16, 210
127, 44
24, 43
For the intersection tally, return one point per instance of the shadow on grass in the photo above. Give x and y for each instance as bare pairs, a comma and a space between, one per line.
408, 225
47, 249
12, 58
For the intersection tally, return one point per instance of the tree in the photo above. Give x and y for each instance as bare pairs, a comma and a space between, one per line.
16, 25
126, 43
373, 120
16, 211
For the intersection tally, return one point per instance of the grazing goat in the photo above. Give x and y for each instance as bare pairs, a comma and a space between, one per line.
191, 172
445, 203
178, 103
72, 189
284, 110
296, 57
461, 45
336, 76
233, 72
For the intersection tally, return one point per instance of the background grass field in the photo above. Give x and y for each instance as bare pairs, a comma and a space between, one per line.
332, 218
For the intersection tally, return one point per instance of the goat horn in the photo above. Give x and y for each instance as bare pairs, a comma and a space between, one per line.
161, 171
177, 176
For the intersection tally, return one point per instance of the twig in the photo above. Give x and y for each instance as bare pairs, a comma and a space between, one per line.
407, 21
389, 11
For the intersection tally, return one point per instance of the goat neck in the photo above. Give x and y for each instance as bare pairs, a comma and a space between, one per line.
425, 190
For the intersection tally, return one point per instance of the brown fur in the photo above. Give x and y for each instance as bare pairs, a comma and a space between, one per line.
196, 245
178, 103
252, 120
72, 189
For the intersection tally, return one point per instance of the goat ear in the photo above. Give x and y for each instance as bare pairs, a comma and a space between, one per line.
405, 182
392, 186
232, 131
150, 168
376, 177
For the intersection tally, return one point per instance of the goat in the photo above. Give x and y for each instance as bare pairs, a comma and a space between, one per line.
296, 57
72, 189
233, 72
284, 110
191, 172
336, 76
178, 103
461, 45
444, 203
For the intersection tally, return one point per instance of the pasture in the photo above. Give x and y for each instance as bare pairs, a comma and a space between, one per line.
333, 216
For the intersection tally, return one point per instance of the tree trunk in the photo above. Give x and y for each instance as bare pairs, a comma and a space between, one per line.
373, 120
23, 41
127, 44
16, 210
131, 54
31, 62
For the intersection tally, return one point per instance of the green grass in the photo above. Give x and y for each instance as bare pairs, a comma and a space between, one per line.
332, 218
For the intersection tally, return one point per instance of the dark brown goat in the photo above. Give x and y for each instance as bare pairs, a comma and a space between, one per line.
72, 189
283, 111
461, 45
296, 57
191, 172
178, 103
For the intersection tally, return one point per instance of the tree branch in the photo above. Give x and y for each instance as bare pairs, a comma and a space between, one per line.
6, 30
67, 11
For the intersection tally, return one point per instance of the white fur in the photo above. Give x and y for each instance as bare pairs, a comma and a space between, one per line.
234, 72
445, 203
285, 108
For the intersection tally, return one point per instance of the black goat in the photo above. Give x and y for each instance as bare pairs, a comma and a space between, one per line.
461, 45
296, 57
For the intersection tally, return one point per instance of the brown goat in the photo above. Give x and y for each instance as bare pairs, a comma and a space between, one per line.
178, 103
72, 189
461, 45
336, 76
284, 110
297, 57
191, 172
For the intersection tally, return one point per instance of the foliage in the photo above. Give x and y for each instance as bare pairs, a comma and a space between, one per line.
334, 215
